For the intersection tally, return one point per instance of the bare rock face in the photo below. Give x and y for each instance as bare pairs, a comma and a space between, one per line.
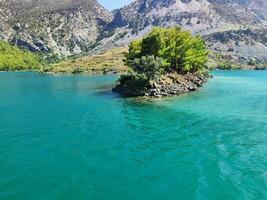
64, 27
204, 17
197, 15
5, 29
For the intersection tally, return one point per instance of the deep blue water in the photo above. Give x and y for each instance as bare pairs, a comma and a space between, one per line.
71, 138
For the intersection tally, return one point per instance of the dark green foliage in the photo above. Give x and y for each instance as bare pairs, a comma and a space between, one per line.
12, 58
150, 66
134, 81
226, 65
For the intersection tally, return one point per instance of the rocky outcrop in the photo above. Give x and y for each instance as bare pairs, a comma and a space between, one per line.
166, 85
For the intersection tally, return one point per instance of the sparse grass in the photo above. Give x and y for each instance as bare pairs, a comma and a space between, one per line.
108, 62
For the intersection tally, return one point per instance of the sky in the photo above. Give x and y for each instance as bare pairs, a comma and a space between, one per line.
113, 4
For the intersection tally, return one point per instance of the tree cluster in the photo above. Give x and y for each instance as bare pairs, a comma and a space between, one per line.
166, 50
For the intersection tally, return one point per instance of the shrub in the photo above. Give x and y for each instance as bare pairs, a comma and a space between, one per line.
134, 81
150, 66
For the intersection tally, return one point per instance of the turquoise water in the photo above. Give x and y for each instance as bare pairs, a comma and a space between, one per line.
70, 138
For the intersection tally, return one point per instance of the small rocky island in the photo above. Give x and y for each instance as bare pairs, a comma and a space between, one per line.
167, 85
166, 62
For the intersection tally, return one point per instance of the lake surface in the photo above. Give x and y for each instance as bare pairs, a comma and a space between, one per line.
71, 138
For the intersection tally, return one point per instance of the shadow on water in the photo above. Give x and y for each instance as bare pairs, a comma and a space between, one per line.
108, 93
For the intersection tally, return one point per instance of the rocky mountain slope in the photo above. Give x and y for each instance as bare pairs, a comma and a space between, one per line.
234, 28
200, 16
65, 27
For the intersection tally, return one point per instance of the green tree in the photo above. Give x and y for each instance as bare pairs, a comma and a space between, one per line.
178, 51
150, 66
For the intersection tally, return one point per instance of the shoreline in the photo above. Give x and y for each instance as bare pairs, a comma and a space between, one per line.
110, 72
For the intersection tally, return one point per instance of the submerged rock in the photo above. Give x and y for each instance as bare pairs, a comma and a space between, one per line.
166, 85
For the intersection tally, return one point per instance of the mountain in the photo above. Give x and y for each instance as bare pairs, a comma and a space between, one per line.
65, 27
235, 27
201, 16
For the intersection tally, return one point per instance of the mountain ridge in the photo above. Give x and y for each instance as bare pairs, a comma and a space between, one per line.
203, 17
73, 27
64, 27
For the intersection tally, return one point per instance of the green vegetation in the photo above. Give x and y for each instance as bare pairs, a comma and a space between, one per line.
226, 65
110, 61
12, 59
164, 51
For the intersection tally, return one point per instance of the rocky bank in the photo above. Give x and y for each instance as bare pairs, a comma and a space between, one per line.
166, 85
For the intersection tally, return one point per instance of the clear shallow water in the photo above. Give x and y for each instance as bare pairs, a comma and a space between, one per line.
69, 137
